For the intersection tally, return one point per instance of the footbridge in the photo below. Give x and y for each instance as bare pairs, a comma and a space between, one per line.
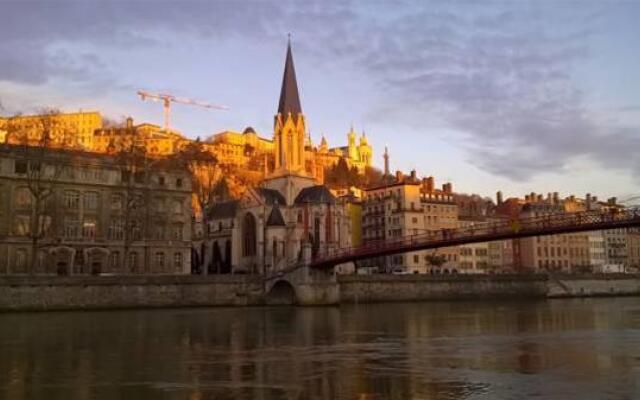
485, 232
312, 281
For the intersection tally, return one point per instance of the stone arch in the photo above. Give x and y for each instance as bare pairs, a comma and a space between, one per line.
95, 259
62, 257
249, 235
282, 293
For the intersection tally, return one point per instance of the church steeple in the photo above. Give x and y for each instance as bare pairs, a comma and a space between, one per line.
289, 129
289, 97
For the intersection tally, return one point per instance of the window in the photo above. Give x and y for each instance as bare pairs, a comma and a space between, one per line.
177, 207
21, 225
89, 228
22, 197
71, 226
72, 199
116, 202
416, 258
161, 180
248, 235
91, 201
115, 260
177, 231
159, 230
135, 227
21, 260
20, 167
179, 182
160, 260
177, 260
138, 177
133, 261
116, 229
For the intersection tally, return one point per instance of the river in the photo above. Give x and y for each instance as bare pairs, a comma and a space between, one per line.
557, 349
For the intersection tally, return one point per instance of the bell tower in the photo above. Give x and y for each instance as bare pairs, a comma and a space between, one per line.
289, 124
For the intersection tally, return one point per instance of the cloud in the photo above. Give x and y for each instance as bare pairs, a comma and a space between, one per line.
504, 81
500, 75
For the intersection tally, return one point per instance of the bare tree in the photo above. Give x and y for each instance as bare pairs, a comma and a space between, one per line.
202, 165
203, 168
34, 138
133, 165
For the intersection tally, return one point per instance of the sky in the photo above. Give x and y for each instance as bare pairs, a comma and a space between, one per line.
516, 96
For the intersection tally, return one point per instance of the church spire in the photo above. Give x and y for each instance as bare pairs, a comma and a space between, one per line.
289, 98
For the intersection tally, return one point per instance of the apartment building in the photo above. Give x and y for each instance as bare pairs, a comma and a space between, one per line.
405, 206
72, 212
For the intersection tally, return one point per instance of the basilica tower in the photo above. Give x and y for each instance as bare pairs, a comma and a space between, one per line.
289, 124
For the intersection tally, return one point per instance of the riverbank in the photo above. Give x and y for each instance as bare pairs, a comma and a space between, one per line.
42, 293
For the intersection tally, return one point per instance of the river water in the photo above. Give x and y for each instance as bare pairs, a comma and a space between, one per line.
557, 349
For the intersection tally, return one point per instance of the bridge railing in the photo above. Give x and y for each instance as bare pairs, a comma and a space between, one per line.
489, 230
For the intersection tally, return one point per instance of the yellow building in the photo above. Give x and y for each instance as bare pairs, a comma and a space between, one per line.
65, 129
158, 142
239, 149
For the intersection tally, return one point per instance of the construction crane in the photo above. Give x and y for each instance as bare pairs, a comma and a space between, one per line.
167, 99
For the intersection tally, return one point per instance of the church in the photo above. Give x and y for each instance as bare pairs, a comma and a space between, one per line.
288, 213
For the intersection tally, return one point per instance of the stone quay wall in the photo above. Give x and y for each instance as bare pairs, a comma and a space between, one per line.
593, 285
42, 293
395, 288
101, 292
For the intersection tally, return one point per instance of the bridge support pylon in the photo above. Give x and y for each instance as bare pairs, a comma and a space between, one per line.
311, 286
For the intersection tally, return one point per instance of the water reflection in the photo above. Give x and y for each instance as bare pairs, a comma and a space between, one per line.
463, 350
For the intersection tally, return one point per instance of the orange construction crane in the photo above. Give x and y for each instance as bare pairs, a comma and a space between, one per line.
167, 99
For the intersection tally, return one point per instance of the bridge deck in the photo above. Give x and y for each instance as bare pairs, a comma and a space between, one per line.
485, 232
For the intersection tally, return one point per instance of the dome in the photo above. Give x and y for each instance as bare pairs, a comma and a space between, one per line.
248, 129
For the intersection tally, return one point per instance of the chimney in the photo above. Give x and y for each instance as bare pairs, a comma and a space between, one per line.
413, 174
526, 198
129, 122
612, 201
588, 201
556, 198
399, 176
539, 198
594, 199
499, 197
430, 184
386, 163
572, 198
549, 197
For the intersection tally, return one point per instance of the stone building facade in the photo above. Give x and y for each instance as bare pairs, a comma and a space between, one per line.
87, 219
405, 206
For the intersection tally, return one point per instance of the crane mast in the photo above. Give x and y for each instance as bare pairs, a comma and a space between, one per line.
167, 99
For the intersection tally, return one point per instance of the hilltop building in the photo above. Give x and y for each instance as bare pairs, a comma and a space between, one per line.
288, 216
71, 130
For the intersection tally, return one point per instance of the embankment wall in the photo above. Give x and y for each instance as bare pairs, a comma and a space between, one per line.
101, 292
87, 292
392, 288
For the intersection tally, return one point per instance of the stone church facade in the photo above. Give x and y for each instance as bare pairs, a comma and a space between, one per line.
273, 224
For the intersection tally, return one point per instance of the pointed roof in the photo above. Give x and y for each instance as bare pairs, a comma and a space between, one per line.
275, 217
289, 98
318, 194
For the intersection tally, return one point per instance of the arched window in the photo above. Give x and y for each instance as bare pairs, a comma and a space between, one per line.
249, 235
